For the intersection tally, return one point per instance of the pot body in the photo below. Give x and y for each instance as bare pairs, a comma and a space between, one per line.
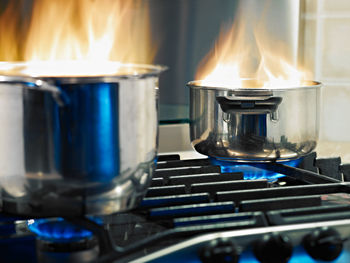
95, 154
254, 125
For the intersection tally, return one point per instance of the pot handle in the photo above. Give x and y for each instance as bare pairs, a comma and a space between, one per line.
37, 84
249, 105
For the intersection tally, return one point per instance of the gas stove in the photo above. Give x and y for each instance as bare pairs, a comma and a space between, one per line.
197, 210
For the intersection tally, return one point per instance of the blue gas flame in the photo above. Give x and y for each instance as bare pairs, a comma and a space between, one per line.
252, 171
59, 230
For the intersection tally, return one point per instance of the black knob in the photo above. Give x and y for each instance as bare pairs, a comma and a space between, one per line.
273, 247
220, 251
323, 244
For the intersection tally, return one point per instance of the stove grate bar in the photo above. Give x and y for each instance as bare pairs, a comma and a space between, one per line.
184, 163
165, 173
166, 190
345, 169
156, 182
192, 210
253, 218
301, 190
280, 203
308, 162
168, 157
204, 178
214, 187
330, 167
206, 228
300, 174
308, 215
165, 201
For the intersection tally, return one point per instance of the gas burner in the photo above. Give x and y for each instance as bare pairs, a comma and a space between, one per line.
253, 171
58, 239
58, 230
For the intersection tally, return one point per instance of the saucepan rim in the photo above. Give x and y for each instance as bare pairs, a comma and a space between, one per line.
127, 71
307, 84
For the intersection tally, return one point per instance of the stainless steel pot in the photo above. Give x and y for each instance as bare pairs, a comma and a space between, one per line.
252, 123
76, 145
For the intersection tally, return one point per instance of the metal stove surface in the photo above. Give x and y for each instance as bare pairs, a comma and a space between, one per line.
193, 213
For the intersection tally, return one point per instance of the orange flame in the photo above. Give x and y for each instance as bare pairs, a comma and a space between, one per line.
247, 50
89, 31
11, 32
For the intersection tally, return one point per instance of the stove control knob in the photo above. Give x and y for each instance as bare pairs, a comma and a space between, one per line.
323, 244
220, 251
273, 247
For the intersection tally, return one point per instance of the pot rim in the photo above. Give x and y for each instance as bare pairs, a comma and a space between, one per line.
307, 84
123, 71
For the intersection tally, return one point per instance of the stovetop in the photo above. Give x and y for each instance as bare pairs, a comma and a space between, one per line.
198, 211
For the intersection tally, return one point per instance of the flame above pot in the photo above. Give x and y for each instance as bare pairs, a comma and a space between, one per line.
89, 32
247, 50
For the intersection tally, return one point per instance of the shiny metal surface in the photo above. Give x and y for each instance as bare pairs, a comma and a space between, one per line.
94, 154
288, 132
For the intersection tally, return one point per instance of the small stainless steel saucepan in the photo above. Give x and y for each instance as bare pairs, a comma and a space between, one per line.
254, 124
76, 145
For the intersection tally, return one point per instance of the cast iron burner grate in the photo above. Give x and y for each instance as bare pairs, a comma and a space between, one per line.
192, 197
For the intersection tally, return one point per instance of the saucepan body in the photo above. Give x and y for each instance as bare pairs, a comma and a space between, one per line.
254, 124
77, 145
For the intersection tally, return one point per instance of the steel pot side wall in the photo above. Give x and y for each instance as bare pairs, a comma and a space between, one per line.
138, 122
228, 136
97, 152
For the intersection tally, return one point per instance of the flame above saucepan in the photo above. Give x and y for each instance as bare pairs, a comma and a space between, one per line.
247, 50
89, 32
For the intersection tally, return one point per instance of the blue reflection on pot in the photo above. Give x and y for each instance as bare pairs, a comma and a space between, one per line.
86, 132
